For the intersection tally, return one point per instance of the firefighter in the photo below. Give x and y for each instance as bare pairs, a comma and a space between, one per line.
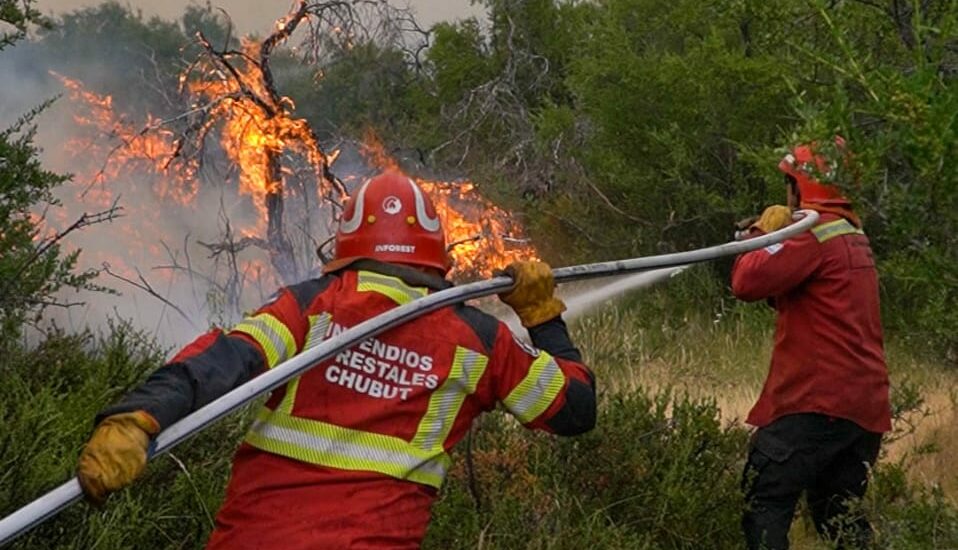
352, 453
824, 406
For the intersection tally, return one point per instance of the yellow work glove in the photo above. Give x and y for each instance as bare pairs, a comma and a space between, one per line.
115, 455
773, 218
532, 298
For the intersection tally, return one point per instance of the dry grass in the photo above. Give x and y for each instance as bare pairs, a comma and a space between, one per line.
932, 449
727, 360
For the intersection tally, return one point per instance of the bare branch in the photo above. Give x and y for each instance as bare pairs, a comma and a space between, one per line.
145, 286
52, 303
46, 244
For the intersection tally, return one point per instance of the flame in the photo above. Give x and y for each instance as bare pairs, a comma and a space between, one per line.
254, 133
149, 146
257, 132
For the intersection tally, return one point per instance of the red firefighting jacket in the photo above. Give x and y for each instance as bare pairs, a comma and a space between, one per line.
351, 454
828, 356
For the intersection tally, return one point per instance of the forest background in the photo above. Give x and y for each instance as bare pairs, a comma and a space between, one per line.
612, 129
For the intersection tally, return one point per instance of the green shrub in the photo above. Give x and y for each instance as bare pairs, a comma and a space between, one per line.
658, 472
47, 404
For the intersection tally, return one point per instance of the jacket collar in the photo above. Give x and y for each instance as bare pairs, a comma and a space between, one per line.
837, 209
409, 275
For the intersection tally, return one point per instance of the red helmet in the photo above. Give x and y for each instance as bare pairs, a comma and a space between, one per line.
390, 219
799, 165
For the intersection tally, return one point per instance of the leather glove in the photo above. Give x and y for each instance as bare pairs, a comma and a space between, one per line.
115, 455
773, 218
532, 298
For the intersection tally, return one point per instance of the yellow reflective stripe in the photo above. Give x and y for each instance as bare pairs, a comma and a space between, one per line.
537, 390
834, 229
286, 405
276, 340
444, 404
318, 324
326, 444
392, 287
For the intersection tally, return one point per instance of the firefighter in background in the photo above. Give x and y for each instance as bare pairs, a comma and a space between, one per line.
825, 405
352, 453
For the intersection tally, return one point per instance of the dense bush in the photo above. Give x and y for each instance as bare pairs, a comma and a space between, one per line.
48, 400
642, 126
657, 473
626, 127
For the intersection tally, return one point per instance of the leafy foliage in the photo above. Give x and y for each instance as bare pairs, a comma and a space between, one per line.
636, 482
661, 470
32, 269
20, 15
650, 126
47, 402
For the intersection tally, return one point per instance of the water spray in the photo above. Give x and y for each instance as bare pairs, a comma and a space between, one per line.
66, 494
580, 301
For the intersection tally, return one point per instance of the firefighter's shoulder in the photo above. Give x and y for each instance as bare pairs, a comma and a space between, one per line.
307, 291
485, 326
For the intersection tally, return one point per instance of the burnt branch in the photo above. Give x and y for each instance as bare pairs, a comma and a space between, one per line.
284, 28
501, 107
237, 82
464, 240
230, 99
221, 60
86, 220
145, 286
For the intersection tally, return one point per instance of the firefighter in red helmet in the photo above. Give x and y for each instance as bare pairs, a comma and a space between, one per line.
824, 406
352, 453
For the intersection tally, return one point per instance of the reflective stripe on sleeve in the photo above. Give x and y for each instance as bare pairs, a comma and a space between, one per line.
326, 444
391, 287
318, 324
272, 335
537, 390
445, 402
837, 228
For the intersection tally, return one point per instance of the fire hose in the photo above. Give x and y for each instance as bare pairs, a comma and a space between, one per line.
61, 497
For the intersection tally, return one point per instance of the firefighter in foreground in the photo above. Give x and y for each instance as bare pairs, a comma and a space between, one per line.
824, 406
352, 453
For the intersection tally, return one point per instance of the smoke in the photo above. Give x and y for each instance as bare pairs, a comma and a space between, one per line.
164, 280
186, 252
171, 287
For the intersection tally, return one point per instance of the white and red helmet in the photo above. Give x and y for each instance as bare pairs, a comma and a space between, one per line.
804, 161
389, 218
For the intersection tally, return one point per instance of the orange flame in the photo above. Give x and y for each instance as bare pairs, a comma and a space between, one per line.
255, 132
151, 147
251, 136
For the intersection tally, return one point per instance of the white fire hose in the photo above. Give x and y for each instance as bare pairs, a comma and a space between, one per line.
56, 500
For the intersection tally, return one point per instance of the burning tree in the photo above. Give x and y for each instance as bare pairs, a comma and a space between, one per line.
235, 90
235, 125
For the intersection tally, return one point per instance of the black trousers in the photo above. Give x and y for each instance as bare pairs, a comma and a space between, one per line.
827, 458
